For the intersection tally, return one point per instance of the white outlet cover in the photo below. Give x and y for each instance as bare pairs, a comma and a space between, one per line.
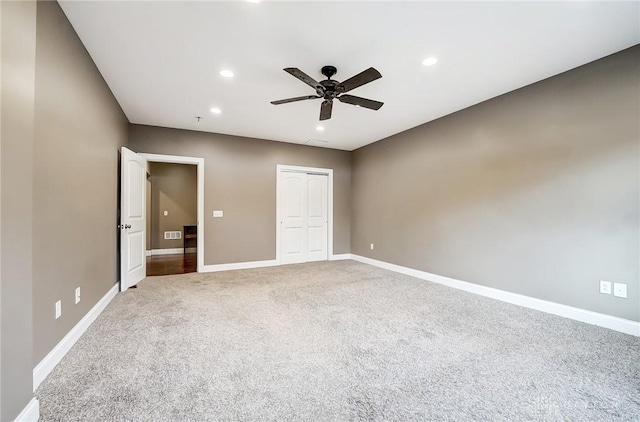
218, 213
605, 287
620, 290
77, 295
58, 309
166, 213
372, 246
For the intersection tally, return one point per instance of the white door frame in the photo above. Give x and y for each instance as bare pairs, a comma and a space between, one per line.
329, 172
199, 162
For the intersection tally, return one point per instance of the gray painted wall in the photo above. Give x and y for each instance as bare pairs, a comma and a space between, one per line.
78, 131
534, 192
240, 179
16, 166
173, 189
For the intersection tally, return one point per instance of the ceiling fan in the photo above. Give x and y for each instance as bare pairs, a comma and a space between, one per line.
330, 89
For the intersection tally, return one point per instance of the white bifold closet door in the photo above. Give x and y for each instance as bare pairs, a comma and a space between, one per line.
303, 217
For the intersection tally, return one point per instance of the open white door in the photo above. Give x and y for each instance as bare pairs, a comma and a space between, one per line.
133, 177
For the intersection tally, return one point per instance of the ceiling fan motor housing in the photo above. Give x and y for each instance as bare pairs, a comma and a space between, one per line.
327, 90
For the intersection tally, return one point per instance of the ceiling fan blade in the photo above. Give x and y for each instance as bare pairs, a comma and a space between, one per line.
325, 110
290, 100
359, 101
360, 79
294, 71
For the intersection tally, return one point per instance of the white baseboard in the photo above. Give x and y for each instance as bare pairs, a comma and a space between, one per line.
340, 257
31, 413
50, 361
257, 264
170, 251
578, 314
148, 253
238, 266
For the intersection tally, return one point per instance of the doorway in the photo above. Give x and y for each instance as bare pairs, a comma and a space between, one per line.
304, 212
133, 212
171, 218
199, 224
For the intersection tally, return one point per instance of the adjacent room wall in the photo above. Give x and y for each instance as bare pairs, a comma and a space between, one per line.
18, 59
535, 192
173, 189
240, 180
78, 132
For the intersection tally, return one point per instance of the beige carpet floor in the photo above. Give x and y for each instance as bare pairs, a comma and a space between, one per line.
336, 341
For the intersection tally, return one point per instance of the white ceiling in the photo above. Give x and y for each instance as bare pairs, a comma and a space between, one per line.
162, 59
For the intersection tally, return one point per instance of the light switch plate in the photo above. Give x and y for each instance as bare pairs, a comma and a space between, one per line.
166, 213
605, 287
620, 290
58, 309
77, 295
218, 213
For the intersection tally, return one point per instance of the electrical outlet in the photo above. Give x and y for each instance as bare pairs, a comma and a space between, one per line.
77, 295
605, 287
58, 309
372, 246
218, 213
620, 290
166, 213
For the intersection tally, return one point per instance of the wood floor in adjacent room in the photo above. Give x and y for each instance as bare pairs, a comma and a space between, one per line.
171, 264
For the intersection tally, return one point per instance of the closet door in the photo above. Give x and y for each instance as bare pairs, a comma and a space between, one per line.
293, 211
317, 218
303, 217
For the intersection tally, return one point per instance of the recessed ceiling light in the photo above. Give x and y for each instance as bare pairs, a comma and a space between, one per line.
430, 61
226, 73
216, 110
319, 128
